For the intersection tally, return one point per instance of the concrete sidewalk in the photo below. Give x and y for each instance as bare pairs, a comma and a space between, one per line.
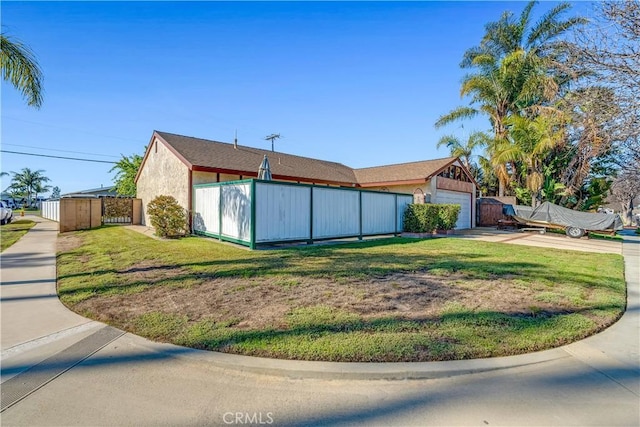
31, 309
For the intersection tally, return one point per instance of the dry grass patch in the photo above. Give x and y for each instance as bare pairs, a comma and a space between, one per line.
388, 300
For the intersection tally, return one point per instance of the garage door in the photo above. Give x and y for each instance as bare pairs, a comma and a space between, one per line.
455, 198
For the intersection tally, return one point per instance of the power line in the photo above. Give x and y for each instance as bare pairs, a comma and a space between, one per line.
62, 151
69, 128
58, 157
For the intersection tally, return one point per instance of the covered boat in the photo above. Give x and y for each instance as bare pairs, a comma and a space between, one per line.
575, 223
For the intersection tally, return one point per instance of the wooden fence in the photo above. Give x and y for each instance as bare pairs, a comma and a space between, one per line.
86, 213
253, 212
490, 210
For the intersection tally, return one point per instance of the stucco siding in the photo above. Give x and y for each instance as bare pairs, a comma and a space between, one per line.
204, 177
162, 174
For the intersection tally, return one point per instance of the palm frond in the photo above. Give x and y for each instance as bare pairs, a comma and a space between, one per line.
459, 113
20, 68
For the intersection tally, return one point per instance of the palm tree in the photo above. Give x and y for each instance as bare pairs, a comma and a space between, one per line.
531, 142
29, 182
465, 150
20, 68
513, 74
40, 188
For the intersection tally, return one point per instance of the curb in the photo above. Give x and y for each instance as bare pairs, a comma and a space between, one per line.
302, 369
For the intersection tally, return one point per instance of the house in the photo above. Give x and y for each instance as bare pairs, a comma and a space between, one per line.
93, 192
173, 164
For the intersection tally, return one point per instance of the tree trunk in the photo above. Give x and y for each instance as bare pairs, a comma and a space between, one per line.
627, 211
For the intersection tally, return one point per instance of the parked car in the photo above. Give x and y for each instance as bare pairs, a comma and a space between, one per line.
6, 213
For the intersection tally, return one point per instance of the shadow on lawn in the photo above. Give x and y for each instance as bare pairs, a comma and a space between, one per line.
344, 266
343, 261
437, 336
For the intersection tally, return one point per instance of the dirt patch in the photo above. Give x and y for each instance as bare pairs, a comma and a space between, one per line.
68, 242
257, 303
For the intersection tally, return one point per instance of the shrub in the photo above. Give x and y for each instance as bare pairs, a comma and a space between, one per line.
167, 217
424, 218
421, 218
447, 216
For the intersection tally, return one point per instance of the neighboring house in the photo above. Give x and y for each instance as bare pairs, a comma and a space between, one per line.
173, 164
93, 192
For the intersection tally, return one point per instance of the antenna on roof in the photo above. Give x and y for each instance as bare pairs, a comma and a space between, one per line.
272, 137
235, 140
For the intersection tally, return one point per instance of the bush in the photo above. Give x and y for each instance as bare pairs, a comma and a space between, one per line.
447, 216
425, 218
421, 218
167, 217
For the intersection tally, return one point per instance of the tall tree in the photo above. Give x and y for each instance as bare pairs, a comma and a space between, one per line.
516, 70
625, 189
126, 170
609, 49
55, 192
29, 183
20, 68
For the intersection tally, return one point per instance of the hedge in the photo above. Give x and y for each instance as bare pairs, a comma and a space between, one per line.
425, 218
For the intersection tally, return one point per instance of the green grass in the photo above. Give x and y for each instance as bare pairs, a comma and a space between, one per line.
586, 292
12, 232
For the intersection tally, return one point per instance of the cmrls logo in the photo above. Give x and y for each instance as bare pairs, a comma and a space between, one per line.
255, 418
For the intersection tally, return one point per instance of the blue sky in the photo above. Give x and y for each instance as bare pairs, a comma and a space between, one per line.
356, 83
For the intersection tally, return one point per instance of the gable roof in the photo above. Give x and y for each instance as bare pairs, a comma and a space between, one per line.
404, 172
202, 154
214, 156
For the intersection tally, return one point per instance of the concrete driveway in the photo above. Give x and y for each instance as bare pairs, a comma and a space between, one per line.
546, 240
61, 369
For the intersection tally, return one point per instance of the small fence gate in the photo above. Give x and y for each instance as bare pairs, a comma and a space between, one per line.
117, 210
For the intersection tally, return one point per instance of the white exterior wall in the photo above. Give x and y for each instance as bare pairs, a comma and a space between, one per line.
236, 211
51, 210
206, 210
335, 213
283, 212
162, 174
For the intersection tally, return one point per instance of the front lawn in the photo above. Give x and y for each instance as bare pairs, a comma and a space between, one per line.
387, 300
12, 232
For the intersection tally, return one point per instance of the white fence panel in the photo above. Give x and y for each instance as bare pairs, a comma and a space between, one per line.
283, 212
378, 213
206, 218
403, 202
236, 211
335, 213
51, 210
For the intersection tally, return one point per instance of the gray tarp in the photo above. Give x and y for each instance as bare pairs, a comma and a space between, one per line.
557, 215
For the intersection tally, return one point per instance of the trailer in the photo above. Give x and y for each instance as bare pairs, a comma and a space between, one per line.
574, 223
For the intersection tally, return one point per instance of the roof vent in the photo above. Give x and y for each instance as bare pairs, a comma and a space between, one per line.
235, 140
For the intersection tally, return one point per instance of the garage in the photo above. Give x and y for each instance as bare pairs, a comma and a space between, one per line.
456, 198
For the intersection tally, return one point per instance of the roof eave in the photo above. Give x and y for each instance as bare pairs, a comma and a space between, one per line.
247, 173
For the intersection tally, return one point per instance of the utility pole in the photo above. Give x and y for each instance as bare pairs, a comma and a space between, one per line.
272, 137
